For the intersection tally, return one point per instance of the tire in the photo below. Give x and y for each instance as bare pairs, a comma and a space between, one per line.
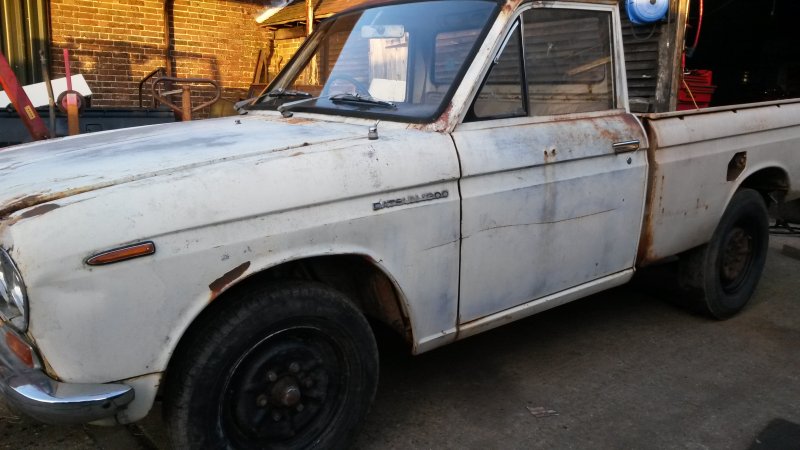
289, 366
721, 276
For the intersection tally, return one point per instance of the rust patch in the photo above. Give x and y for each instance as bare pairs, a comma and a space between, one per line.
736, 166
605, 132
550, 156
441, 124
645, 254
510, 6
39, 210
298, 120
45, 197
22, 203
444, 119
219, 284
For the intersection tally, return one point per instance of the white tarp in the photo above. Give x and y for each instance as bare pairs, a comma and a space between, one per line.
38, 92
272, 9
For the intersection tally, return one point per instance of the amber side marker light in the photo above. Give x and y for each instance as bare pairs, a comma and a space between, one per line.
20, 348
122, 254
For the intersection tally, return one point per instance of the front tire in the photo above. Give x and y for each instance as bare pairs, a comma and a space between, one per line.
289, 366
721, 276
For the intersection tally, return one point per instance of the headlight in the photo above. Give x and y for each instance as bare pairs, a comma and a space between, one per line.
13, 298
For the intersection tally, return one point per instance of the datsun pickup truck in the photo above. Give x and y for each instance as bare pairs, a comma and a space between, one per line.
441, 167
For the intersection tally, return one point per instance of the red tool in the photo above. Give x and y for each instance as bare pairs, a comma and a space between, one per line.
30, 117
73, 124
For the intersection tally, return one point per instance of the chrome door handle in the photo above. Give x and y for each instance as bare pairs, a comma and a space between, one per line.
626, 146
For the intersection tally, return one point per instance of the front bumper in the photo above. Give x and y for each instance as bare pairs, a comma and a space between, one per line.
34, 393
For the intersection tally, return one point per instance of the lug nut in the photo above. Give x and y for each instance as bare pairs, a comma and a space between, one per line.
300, 407
262, 400
308, 382
276, 416
294, 367
272, 376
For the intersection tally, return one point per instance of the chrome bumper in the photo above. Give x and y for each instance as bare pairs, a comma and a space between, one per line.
34, 393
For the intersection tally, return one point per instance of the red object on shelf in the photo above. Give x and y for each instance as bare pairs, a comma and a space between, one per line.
696, 90
703, 77
700, 94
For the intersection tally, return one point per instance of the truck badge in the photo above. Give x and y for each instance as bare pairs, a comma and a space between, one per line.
416, 198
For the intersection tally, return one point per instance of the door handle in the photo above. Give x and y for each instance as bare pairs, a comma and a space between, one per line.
625, 146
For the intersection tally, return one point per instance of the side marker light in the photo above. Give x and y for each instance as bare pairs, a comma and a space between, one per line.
20, 348
122, 254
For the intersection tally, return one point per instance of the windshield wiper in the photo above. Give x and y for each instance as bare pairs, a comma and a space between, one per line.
355, 99
275, 93
281, 93
351, 99
285, 109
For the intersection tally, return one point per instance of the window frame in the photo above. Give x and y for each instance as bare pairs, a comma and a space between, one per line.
516, 25
619, 82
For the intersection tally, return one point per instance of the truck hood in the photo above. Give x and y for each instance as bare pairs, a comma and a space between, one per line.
41, 172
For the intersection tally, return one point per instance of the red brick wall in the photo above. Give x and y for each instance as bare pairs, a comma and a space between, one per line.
284, 50
114, 43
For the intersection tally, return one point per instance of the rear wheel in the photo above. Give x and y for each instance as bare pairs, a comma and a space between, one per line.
290, 366
721, 276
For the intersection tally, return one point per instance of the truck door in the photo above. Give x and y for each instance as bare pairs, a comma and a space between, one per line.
553, 164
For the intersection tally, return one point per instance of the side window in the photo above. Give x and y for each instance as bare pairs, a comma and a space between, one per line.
503, 94
568, 61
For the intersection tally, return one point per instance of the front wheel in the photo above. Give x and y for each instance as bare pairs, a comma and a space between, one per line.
285, 367
721, 276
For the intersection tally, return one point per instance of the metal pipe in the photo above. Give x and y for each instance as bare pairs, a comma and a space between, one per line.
73, 124
50, 98
169, 20
186, 104
160, 70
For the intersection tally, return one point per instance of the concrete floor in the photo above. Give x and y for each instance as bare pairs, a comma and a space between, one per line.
623, 369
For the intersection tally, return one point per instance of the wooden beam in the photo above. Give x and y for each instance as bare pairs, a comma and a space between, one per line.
309, 16
670, 55
290, 33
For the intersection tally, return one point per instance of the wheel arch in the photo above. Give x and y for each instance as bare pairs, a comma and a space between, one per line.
360, 277
771, 181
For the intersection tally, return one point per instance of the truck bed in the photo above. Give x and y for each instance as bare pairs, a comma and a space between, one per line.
698, 159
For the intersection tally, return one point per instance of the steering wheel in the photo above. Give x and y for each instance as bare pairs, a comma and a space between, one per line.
358, 86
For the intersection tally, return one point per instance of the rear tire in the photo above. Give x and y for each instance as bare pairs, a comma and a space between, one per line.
721, 276
293, 365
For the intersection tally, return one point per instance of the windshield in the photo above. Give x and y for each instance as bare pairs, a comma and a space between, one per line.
397, 62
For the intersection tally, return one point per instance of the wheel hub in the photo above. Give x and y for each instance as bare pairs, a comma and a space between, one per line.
736, 257
286, 392
286, 387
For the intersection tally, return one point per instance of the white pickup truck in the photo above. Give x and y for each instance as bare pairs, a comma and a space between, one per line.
442, 167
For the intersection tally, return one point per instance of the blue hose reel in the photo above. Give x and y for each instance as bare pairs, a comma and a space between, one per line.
642, 12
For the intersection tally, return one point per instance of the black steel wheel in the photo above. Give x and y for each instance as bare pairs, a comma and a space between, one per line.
721, 276
286, 367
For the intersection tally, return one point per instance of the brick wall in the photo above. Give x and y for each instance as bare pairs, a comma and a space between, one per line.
284, 50
114, 43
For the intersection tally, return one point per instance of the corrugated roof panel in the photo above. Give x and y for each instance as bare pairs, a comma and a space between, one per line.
293, 12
